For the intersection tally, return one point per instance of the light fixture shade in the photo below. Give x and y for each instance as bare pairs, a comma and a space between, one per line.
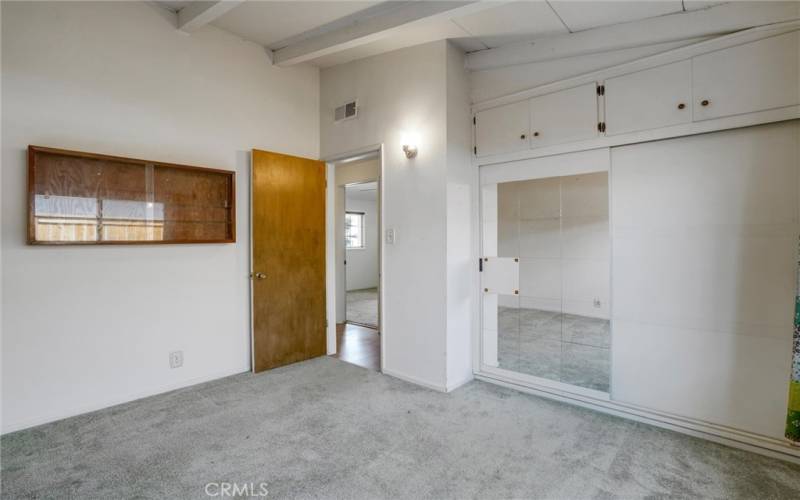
410, 141
410, 150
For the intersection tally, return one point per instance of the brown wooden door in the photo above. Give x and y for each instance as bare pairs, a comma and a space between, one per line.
288, 259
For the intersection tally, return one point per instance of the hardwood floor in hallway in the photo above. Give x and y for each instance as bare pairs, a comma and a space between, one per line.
358, 345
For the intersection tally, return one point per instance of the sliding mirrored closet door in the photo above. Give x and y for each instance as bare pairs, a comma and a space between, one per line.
545, 275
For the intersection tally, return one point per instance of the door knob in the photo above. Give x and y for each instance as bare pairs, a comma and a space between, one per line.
258, 276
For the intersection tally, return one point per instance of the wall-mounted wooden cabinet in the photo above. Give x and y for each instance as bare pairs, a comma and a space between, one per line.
653, 98
504, 129
85, 198
565, 116
750, 77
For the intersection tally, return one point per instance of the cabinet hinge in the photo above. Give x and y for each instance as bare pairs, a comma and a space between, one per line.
480, 265
475, 150
601, 127
601, 90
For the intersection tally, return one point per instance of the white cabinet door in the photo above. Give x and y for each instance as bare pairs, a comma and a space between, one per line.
503, 129
653, 98
751, 77
565, 116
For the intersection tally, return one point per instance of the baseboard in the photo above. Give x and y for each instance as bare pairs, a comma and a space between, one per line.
452, 387
80, 410
734, 438
414, 380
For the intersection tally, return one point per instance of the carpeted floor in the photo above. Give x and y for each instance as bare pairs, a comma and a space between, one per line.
362, 306
328, 429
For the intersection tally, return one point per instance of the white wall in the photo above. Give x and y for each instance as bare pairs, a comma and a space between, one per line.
362, 263
88, 327
400, 92
347, 173
462, 220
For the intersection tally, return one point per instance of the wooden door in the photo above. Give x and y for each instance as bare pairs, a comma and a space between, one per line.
751, 77
565, 116
503, 129
653, 98
288, 259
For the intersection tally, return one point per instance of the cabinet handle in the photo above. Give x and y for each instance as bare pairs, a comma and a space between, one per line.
705, 102
536, 134
681, 106
522, 136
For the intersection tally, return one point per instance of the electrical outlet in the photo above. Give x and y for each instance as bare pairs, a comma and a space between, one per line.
390, 236
176, 359
597, 303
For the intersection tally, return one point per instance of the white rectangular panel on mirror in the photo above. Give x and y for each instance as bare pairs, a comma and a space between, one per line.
500, 275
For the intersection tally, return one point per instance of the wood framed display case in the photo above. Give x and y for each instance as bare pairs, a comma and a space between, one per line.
77, 198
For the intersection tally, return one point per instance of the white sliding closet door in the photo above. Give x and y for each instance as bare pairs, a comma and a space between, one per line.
705, 237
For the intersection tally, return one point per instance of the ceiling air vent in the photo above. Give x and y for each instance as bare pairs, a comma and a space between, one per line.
345, 112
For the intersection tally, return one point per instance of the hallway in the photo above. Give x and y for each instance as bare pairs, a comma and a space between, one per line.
359, 346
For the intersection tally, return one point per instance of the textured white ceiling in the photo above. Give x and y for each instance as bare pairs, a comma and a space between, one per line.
512, 22
364, 191
275, 24
270, 22
585, 15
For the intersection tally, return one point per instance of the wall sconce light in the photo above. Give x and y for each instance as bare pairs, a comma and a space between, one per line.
410, 150
410, 144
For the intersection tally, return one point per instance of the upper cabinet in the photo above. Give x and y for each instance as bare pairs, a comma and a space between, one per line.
653, 98
752, 77
502, 130
565, 116
742, 79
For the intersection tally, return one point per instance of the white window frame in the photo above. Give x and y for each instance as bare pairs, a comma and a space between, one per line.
363, 218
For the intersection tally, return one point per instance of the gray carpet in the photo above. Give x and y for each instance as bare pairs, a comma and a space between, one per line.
328, 429
556, 346
362, 306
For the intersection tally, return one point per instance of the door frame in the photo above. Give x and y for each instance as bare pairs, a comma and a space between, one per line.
376, 150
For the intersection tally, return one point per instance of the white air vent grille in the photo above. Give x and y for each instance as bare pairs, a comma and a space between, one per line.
345, 111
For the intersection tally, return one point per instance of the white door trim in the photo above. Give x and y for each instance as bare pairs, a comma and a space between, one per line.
330, 244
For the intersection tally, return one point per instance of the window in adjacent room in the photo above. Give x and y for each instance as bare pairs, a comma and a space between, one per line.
354, 230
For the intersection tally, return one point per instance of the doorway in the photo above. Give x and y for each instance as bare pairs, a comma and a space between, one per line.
357, 228
298, 251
